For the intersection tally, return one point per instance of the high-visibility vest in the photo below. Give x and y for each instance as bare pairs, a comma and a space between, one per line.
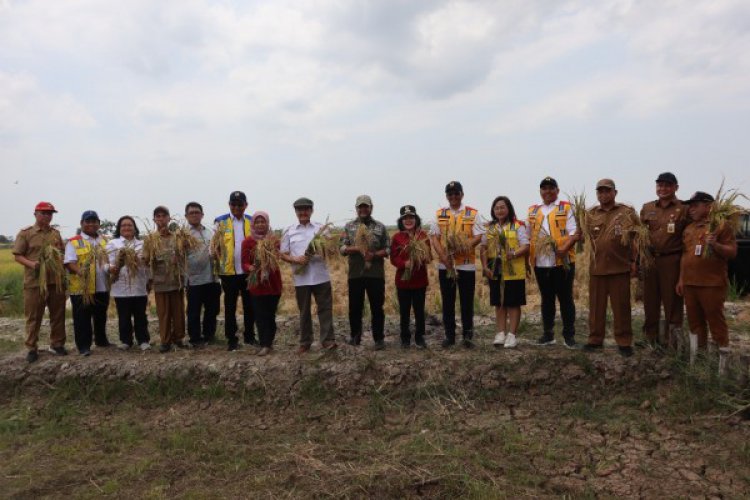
83, 253
225, 227
517, 268
557, 220
461, 223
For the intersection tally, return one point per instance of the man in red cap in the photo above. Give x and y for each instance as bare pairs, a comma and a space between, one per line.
30, 242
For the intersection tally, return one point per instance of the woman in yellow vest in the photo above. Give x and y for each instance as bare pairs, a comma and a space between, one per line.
503, 250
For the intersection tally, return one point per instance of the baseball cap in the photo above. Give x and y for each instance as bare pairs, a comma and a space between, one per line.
407, 210
303, 202
363, 200
161, 209
667, 177
237, 197
548, 181
89, 215
453, 186
44, 206
700, 196
605, 183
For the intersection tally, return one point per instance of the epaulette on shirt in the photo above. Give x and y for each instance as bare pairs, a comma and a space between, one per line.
26, 228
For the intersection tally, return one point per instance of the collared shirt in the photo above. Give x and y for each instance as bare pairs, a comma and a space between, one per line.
379, 241
697, 269
665, 225
606, 229
29, 243
545, 259
102, 269
126, 285
239, 236
294, 242
165, 275
477, 230
200, 269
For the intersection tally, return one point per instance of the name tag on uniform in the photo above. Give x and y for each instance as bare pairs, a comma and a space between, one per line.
670, 228
698, 250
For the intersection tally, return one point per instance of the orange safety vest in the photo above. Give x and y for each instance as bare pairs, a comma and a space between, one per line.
557, 220
83, 252
462, 223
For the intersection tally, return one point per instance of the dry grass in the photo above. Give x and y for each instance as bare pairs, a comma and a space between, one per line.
419, 255
50, 267
266, 260
724, 211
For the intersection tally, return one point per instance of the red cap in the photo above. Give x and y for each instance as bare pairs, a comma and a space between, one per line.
44, 206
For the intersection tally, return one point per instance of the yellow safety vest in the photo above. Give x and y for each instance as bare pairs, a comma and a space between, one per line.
83, 252
517, 270
557, 219
462, 223
225, 227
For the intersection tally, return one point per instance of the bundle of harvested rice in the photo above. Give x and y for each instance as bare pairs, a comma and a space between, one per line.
724, 212
87, 267
265, 262
363, 240
128, 258
580, 214
322, 245
456, 242
50, 266
418, 254
498, 250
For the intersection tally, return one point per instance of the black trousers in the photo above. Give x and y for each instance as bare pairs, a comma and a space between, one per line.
408, 299
375, 289
208, 298
557, 283
90, 320
465, 282
131, 318
264, 307
236, 286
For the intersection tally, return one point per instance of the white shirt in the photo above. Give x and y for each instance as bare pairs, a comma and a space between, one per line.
125, 286
545, 259
294, 242
239, 237
102, 269
476, 230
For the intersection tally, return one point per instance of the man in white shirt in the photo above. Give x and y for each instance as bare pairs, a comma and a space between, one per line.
311, 278
554, 265
89, 285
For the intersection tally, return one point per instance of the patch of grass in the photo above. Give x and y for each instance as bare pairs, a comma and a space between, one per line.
11, 285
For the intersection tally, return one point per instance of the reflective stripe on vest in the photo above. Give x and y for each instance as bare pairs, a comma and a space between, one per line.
557, 221
83, 253
464, 223
226, 227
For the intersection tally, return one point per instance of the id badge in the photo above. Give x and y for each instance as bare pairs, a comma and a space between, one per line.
670, 228
698, 250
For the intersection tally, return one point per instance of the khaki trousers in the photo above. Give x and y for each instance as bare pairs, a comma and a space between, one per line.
616, 288
324, 301
170, 308
33, 306
659, 284
705, 309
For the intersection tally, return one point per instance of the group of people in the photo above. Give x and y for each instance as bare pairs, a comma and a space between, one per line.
239, 255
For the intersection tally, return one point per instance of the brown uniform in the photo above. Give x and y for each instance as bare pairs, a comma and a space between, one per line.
665, 225
609, 272
29, 242
168, 294
705, 283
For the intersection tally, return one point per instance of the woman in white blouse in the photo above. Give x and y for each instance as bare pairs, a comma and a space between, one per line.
130, 290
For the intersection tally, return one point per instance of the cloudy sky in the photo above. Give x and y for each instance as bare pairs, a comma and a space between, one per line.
120, 106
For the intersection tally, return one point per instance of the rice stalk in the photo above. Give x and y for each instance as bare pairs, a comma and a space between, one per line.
321, 245
580, 213
418, 255
724, 211
265, 261
363, 240
498, 249
87, 268
127, 258
456, 242
631, 231
50, 264
218, 249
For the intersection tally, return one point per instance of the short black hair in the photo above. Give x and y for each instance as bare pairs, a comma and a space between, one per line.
401, 223
511, 210
119, 223
193, 204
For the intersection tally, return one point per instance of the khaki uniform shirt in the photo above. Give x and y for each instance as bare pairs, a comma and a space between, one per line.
699, 270
665, 226
606, 229
165, 273
29, 242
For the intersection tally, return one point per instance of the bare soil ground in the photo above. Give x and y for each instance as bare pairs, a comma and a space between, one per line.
481, 423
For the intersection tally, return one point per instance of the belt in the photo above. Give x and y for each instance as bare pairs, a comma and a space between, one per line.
664, 254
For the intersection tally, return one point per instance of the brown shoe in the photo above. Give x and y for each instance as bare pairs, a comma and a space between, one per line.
329, 346
303, 349
264, 351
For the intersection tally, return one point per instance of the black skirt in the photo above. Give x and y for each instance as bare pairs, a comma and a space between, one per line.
514, 293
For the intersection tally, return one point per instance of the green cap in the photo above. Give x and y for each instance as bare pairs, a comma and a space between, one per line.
303, 202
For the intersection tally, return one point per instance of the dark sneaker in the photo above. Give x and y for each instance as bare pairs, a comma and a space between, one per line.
86, 352
233, 345
354, 340
625, 351
448, 343
379, 345
196, 344
210, 340
468, 343
181, 345
546, 340
165, 348
570, 343
32, 356
592, 347
421, 344
104, 345
58, 351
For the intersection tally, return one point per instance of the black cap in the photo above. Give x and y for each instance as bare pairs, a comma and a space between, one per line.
303, 203
161, 209
667, 177
453, 186
407, 210
237, 197
700, 196
548, 181
89, 215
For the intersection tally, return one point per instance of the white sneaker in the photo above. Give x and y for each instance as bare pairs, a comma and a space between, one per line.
145, 346
123, 346
510, 341
499, 339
